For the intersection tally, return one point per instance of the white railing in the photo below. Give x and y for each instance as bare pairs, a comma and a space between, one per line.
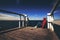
23, 22
50, 20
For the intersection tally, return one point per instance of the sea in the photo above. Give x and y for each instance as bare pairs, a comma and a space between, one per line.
9, 24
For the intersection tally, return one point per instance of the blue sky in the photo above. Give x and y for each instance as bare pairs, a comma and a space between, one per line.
35, 9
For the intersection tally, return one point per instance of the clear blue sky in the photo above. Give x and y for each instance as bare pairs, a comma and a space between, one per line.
35, 9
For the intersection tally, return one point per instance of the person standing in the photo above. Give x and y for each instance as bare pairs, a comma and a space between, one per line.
44, 23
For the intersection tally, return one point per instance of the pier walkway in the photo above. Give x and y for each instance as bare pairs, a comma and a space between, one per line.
29, 33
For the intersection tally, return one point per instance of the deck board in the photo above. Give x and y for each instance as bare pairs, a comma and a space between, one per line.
29, 33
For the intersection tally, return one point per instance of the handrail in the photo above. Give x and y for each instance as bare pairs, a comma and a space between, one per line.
11, 12
54, 6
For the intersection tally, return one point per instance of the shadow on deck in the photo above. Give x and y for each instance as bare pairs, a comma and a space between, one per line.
57, 29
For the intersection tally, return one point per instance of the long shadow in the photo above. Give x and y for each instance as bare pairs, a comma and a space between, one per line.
57, 30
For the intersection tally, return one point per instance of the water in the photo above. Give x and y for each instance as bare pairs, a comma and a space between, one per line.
4, 25
34, 23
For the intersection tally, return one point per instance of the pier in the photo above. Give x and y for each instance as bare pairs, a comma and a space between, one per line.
17, 26
29, 33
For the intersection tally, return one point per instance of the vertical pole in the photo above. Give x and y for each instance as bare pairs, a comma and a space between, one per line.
20, 22
50, 20
23, 22
25, 18
26, 21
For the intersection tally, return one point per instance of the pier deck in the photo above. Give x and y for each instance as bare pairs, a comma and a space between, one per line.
29, 33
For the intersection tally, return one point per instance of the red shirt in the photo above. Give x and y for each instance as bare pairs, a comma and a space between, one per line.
44, 22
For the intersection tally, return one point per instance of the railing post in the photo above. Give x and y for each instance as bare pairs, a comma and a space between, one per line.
50, 19
23, 22
26, 20
20, 21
